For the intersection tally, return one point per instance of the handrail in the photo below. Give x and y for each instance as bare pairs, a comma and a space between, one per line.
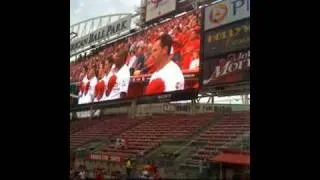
228, 144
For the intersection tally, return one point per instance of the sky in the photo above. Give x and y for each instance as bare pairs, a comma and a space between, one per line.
84, 9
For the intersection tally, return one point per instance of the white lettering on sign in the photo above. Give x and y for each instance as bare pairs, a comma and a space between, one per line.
234, 62
105, 157
115, 158
95, 157
101, 34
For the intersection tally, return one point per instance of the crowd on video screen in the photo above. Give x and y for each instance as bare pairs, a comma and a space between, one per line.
162, 53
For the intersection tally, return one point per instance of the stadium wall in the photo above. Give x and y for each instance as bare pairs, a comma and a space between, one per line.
167, 108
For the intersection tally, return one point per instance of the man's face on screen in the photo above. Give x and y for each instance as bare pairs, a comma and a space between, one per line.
116, 58
91, 73
107, 66
101, 72
158, 52
83, 70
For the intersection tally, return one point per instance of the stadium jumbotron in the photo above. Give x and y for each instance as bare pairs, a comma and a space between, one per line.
160, 89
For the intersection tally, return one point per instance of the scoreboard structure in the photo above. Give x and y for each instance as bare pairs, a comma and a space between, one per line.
225, 44
224, 59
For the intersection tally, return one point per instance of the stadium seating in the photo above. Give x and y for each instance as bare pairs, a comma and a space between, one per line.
148, 135
107, 127
221, 135
81, 124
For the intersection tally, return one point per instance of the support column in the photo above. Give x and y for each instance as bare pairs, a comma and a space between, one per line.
193, 106
133, 109
246, 99
212, 100
221, 172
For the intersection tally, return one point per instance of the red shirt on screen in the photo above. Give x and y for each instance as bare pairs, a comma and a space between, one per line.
99, 90
126, 140
168, 78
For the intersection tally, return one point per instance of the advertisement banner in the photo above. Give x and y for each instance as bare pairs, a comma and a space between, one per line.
157, 8
230, 68
102, 157
229, 38
226, 12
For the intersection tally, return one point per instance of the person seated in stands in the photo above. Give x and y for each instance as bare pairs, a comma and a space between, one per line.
118, 143
140, 58
72, 173
128, 167
122, 143
193, 42
144, 174
132, 61
150, 172
83, 173
177, 43
194, 65
99, 174
125, 141
157, 174
141, 153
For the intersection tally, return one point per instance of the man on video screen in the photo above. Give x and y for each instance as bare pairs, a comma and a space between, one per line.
168, 75
90, 86
119, 77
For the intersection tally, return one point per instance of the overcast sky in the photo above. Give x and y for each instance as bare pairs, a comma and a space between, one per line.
84, 9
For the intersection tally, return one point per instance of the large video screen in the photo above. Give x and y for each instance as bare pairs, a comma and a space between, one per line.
157, 8
160, 60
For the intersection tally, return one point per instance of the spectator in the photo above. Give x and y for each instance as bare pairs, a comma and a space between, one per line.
99, 174
140, 58
132, 61
82, 174
118, 142
194, 65
72, 173
192, 43
125, 141
128, 167
178, 40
